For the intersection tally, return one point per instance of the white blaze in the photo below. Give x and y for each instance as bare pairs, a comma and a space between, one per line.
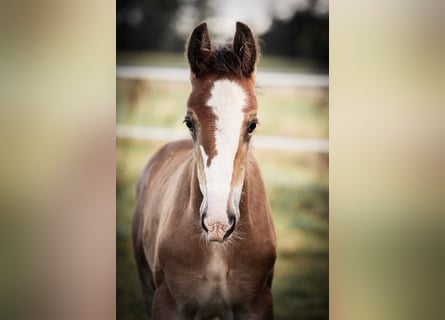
227, 101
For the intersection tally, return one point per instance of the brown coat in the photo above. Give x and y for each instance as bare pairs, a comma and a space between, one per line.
183, 275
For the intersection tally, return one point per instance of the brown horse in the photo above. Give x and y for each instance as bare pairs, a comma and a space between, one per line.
203, 234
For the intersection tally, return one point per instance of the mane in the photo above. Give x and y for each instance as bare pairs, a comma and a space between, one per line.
224, 61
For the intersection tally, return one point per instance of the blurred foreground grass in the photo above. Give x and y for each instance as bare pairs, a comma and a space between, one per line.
297, 185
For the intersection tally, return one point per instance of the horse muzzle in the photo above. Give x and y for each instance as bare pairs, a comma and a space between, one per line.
216, 230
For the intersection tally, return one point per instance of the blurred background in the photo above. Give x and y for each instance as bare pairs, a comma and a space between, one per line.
291, 145
386, 159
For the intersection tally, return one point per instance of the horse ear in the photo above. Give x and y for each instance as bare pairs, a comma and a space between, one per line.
198, 49
245, 46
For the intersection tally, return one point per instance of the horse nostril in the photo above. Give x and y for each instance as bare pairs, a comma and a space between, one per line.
202, 222
232, 221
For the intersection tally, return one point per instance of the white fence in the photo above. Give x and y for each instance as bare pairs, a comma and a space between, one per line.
263, 78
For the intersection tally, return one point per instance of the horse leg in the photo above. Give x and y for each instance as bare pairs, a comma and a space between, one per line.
261, 309
145, 275
146, 279
164, 306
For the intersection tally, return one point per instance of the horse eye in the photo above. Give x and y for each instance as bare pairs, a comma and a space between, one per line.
189, 124
251, 127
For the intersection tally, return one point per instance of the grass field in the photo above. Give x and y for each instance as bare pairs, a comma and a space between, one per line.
297, 185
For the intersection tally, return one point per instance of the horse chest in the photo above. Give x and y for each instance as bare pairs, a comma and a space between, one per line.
213, 284
216, 268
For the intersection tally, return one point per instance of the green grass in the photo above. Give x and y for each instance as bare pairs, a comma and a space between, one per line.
297, 185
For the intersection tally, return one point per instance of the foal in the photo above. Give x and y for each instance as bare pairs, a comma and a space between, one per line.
203, 234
